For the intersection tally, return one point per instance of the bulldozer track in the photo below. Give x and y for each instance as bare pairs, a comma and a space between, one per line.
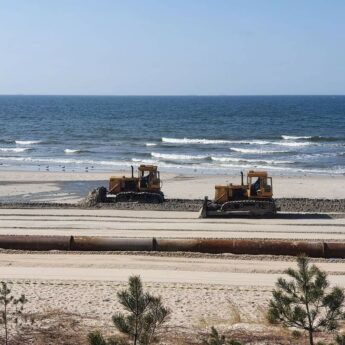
141, 197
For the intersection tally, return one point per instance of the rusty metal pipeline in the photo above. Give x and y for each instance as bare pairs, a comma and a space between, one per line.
32, 242
251, 247
92, 243
212, 246
334, 250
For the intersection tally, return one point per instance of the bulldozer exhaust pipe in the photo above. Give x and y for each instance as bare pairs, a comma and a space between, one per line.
317, 249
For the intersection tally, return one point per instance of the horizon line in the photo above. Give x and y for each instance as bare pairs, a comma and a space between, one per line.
170, 95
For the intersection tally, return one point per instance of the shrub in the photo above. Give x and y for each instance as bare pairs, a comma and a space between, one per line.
304, 303
214, 338
12, 309
145, 315
340, 339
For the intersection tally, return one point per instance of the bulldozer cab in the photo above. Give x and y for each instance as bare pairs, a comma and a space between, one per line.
149, 178
259, 185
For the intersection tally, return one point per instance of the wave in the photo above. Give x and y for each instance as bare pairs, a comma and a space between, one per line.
27, 142
291, 137
292, 143
255, 142
256, 166
72, 151
15, 149
206, 167
7, 141
258, 151
147, 161
65, 161
326, 139
151, 144
233, 159
194, 141
213, 141
172, 156
315, 138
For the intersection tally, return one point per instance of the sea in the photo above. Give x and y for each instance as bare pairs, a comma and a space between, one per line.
186, 134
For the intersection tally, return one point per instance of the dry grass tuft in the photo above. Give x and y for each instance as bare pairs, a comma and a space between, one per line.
58, 328
52, 328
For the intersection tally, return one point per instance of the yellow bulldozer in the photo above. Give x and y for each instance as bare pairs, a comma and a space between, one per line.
253, 198
145, 187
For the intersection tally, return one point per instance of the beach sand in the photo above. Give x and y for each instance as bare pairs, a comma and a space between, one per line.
230, 292
68, 187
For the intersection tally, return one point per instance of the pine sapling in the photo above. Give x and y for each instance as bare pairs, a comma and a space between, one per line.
306, 302
146, 313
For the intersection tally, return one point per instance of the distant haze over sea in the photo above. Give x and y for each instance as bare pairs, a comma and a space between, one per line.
189, 134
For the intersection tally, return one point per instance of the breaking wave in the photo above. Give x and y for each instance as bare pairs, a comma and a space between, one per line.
194, 141
27, 142
147, 161
70, 151
151, 144
213, 141
292, 143
7, 141
315, 138
257, 151
172, 156
291, 137
64, 161
233, 159
73, 151
15, 149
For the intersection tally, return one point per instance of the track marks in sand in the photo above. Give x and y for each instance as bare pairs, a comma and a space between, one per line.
193, 304
161, 225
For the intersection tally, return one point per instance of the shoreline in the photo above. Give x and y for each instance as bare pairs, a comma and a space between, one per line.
72, 187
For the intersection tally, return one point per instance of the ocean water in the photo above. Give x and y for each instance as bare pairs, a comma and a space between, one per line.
211, 135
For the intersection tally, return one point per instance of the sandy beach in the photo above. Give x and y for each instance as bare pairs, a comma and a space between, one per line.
228, 291
65, 187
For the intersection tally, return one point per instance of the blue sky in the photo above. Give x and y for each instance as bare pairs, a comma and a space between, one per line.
172, 47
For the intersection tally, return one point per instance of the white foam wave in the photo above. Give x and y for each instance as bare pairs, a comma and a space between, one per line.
292, 144
256, 166
71, 151
151, 144
213, 141
147, 161
194, 141
15, 149
65, 161
177, 156
291, 137
256, 151
223, 167
256, 142
234, 159
27, 142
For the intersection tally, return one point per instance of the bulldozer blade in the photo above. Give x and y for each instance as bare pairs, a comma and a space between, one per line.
203, 210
